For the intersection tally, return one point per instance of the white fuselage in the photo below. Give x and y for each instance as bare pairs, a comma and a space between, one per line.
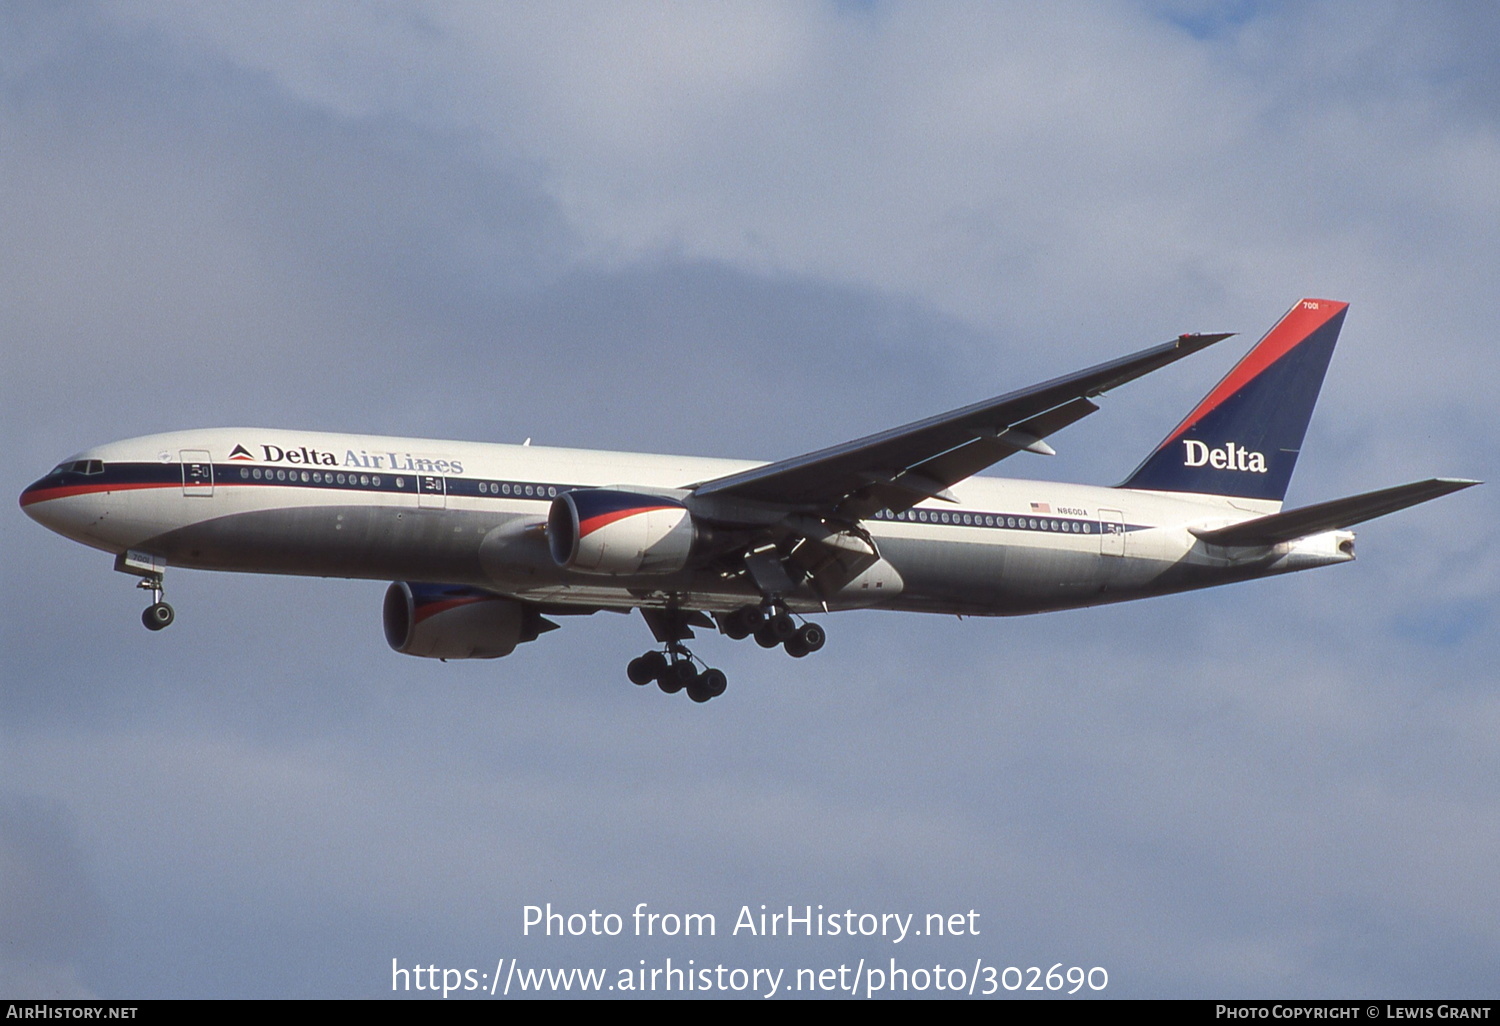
295, 502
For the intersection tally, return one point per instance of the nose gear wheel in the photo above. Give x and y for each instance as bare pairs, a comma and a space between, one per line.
158, 614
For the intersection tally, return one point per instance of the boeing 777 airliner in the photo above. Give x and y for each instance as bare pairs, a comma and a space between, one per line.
485, 542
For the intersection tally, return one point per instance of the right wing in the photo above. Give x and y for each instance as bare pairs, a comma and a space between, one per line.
898, 468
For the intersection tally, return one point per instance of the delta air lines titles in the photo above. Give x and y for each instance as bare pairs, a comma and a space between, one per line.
305, 455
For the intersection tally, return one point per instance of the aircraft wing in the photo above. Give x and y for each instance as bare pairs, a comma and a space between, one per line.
1331, 515
898, 468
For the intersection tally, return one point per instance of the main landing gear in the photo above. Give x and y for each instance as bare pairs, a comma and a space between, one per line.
674, 668
673, 671
773, 625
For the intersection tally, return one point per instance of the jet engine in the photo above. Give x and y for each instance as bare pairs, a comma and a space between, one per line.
608, 531
448, 621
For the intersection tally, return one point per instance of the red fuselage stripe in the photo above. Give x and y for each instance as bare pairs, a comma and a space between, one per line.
65, 491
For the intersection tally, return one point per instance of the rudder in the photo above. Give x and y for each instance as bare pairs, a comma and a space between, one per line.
1243, 438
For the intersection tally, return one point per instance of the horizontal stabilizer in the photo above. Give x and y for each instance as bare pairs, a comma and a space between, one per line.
1331, 515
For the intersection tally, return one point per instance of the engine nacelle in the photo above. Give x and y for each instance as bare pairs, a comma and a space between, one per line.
607, 531
450, 621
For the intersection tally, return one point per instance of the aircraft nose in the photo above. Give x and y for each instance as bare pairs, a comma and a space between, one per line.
34, 495
59, 502
34, 499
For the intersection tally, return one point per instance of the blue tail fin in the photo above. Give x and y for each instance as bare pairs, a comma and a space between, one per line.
1243, 438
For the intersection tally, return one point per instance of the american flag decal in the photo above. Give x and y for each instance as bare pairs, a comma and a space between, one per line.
1040, 507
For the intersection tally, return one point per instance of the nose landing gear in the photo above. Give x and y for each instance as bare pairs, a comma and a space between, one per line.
158, 614
149, 569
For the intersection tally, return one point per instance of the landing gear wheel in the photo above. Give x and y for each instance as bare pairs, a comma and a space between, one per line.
795, 647
783, 627
710, 683
714, 682
765, 636
676, 677
158, 615
644, 669
736, 625
811, 636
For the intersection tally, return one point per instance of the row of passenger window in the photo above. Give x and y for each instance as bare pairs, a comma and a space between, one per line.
322, 477
454, 485
537, 491
520, 490
932, 516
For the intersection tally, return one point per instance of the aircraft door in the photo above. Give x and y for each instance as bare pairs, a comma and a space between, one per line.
432, 491
197, 473
1111, 532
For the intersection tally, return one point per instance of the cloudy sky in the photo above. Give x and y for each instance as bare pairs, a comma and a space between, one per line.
750, 230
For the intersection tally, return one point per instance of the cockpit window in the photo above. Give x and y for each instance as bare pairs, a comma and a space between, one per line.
80, 467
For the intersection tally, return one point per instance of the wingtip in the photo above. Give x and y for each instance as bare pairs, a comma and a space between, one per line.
1194, 340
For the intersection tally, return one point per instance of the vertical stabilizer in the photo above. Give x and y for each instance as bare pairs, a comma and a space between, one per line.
1243, 438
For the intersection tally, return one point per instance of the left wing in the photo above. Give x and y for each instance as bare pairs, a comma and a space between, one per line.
899, 468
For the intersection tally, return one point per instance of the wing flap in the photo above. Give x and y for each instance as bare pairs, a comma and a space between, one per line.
927, 479
991, 446
1331, 515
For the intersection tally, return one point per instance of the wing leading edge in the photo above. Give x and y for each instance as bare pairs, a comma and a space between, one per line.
898, 468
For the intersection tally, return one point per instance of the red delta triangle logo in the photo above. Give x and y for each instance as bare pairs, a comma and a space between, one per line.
239, 452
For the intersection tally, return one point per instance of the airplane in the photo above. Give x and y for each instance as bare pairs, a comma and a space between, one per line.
485, 542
